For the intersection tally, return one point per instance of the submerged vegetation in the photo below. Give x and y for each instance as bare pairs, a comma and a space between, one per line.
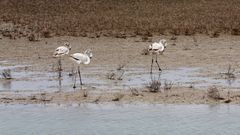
119, 18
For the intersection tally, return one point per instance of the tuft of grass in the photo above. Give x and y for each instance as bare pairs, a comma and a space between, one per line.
97, 99
135, 92
230, 72
85, 93
154, 86
229, 75
6, 74
120, 66
111, 76
213, 93
118, 74
118, 97
168, 85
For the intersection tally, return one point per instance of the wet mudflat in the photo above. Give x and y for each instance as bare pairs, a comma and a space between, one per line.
98, 78
186, 69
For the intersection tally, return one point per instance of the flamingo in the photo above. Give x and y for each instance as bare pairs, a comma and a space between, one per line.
81, 58
156, 49
61, 51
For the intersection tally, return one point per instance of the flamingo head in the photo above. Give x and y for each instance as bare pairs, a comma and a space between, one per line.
88, 52
164, 42
67, 44
150, 47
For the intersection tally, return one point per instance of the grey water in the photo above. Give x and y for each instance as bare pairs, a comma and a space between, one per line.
120, 119
96, 78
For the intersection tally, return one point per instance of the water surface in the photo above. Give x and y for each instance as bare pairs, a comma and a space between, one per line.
120, 119
96, 78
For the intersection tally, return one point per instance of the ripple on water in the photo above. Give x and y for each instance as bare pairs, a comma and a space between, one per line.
111, 119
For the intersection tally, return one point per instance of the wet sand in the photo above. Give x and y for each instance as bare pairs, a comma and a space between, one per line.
173, 96
211, 55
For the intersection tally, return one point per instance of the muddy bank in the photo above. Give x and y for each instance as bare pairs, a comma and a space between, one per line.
173, 96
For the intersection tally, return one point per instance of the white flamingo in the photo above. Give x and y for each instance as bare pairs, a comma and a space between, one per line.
156, 49
81, 58
61, 51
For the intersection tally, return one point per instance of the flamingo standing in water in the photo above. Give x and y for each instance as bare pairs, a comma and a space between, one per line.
60, 52
81, 58
156, 49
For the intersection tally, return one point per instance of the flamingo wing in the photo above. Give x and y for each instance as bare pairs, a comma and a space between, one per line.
60, 51
79, 57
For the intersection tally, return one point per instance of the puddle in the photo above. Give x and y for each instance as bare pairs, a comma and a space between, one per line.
120, 119
96, 78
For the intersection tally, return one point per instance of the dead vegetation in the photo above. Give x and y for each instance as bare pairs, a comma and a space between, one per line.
6, 74
117, 74
120, 67
229, 75
167, 85
135, 92
154, 86
118, 97
85, 93
230, 72
119, 18
213, 93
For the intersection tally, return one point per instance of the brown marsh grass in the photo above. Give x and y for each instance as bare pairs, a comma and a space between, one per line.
131, 17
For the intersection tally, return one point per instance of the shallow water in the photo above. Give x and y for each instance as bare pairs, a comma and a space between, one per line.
96, 78
111, 119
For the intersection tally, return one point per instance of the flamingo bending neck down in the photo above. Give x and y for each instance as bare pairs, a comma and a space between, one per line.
81, 58
156, 49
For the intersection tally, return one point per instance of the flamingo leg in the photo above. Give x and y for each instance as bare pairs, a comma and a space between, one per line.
151, 65
60, 83
75, 78
80, 78
158, 64
59, 64
59, 68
